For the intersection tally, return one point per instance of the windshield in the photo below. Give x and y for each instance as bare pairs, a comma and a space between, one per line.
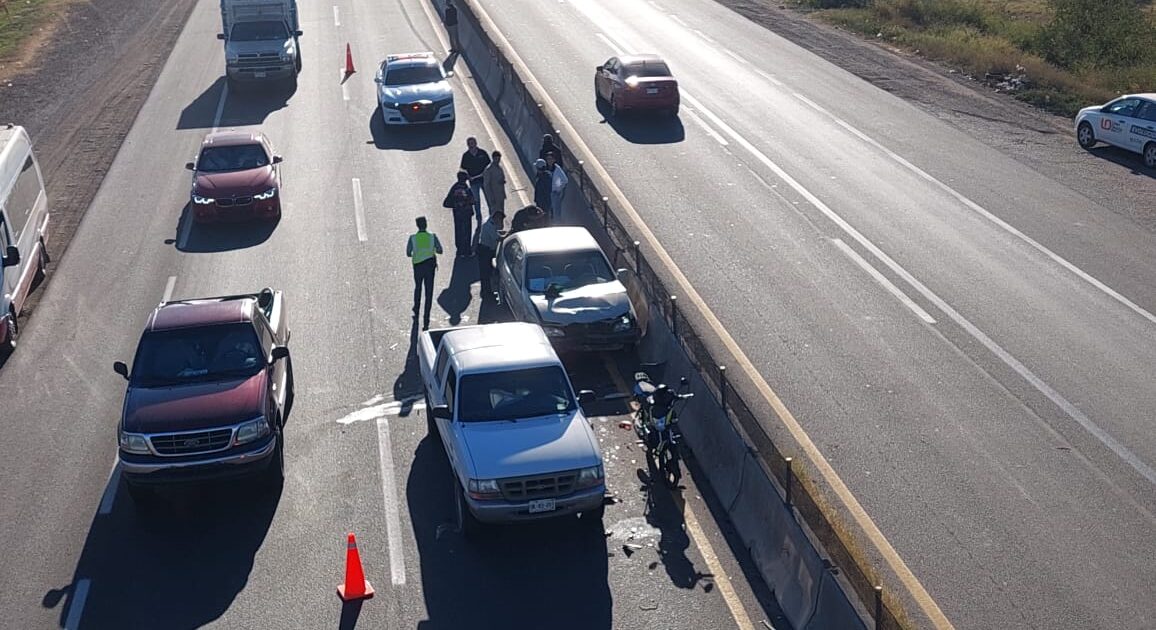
189, 355
648, 69
568, 270
411, 75
237, 157
259, 32
527, 393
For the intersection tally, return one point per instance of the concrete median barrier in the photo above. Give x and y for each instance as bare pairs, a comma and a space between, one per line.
812, 591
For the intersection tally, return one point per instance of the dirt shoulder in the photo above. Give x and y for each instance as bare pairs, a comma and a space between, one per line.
80, 92
1113, 179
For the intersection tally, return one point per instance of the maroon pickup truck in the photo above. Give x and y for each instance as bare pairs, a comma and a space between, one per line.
208, 394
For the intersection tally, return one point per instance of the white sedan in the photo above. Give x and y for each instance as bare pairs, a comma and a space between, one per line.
414, 88
1128, 122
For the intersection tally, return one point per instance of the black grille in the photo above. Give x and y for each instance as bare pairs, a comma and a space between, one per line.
596, 329
259, 61
234, 201
192, 443
419, 112
543, 487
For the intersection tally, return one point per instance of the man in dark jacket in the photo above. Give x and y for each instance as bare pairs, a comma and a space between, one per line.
474, 162
460, 199
528, 218
543, 181
549, 147
450, 19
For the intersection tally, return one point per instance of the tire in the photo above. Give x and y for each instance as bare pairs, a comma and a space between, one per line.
9, 346
469, 526
275, 474
1150, 155
292, 393
1086, 136
431, 425
41, 263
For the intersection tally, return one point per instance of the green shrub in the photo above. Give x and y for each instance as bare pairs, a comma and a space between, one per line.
1097, 34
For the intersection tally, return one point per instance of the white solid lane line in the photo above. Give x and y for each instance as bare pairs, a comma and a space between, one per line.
679, 21
76, 603
336, 16
168, 295
359, 210
707, 128
735, 56
721, 580
389, 496
220, 106
882, 280
985, 213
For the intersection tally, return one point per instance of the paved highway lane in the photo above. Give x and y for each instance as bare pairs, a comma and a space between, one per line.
927, 307
79, 554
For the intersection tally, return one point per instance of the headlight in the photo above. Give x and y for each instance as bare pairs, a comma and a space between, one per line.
484, 488
252, 430
202, 201
591, 476
134, 443
623, 324
232, 58
268, 194
390, 105
553, 331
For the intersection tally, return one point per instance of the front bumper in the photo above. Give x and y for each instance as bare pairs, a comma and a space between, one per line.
239, 462
265, 209
275, 72
500, 511
577, 340
406, 114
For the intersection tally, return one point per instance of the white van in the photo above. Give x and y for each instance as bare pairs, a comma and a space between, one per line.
23, 222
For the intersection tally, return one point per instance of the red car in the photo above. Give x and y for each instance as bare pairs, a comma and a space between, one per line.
636, 82
236, 177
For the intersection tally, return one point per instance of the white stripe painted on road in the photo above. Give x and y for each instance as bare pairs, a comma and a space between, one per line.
168, 294
986, 214
344, 84
389, 495
704, 36
679, 21
108, 499
702, 123
606, 40
336, 16
359, 211
220, 106
881, 279
736, 56
382, 410
76, 604
721, 580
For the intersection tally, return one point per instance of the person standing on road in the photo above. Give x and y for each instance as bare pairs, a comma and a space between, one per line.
558, 182
460, 199
543, 185
474, 162
549, 147
423, 248
450, 19
494, 185
491, 234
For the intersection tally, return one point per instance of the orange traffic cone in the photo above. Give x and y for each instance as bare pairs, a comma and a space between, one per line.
355, 586
348, 61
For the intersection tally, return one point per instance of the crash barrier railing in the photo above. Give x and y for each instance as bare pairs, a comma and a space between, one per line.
822, 600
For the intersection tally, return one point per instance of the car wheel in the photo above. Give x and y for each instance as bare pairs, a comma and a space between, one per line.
469, 526
1150, 155
13, 332
275, 474
41, 263
1085, 136
614, 111
291, 394
431, 424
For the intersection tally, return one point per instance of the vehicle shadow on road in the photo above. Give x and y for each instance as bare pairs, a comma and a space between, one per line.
455, 298
408, 138
552, 574
644, 127
180, 565
1127, 159
407, 387
242, 107
194, 238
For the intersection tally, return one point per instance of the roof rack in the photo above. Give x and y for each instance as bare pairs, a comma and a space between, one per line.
411, 55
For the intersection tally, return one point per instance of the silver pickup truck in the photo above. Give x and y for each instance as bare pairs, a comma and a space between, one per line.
514, 433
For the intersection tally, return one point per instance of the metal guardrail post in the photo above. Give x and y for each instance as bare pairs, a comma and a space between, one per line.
582, 176
790, 478
637, 257
674, 315
605, 212
722, 386
878, 607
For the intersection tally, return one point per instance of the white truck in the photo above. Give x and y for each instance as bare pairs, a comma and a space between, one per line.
23, 229
261, 40
515, 436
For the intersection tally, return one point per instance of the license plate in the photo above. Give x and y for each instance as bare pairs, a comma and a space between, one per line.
652, 90
542, 505
259, 75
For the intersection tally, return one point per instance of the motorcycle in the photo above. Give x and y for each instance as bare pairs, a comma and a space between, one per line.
656, 425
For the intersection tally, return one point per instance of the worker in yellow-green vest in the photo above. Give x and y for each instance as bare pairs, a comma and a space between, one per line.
423, 248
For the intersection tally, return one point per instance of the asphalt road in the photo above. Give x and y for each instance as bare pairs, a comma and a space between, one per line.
968, 340
77, 552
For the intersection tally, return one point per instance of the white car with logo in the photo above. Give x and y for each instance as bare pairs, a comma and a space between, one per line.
414, 88
1128, 122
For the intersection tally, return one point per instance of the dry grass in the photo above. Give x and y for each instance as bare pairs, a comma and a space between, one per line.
991, 40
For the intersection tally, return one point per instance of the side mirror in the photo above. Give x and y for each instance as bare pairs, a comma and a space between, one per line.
120, 368
220, 36
11, 257
377, 80
298, 33
277, 159
280, 352
189, 166
586, 396
442, 411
